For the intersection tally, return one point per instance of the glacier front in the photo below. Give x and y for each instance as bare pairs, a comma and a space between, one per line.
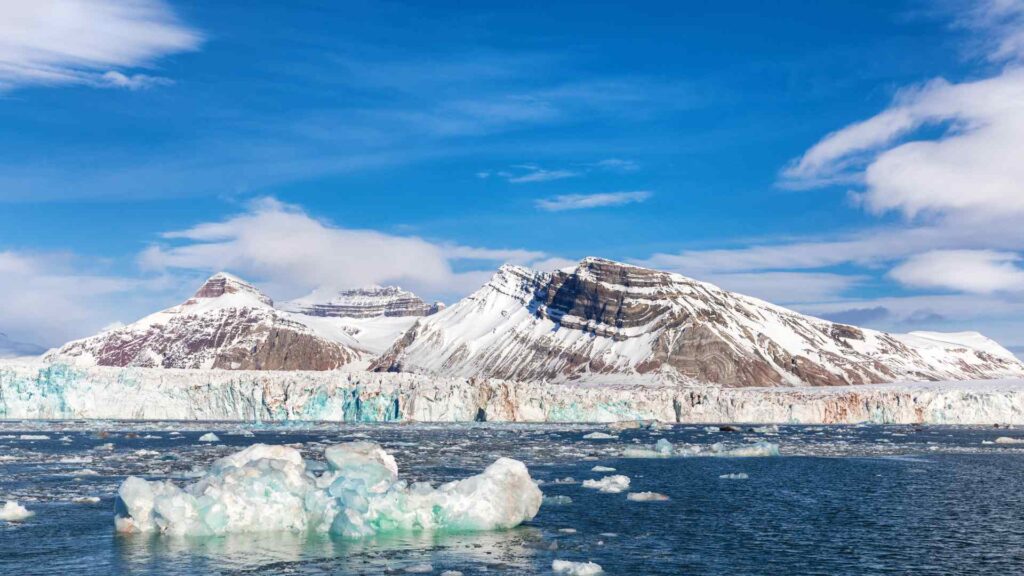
40, 390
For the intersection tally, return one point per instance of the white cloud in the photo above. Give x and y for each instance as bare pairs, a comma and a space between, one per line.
53, 42
537, 174
133, 82
291, 252
975, 271
48, 300
582, 201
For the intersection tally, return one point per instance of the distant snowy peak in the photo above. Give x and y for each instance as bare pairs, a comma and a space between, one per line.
230, 290
605, 320
228, 323
369, 302
14, 349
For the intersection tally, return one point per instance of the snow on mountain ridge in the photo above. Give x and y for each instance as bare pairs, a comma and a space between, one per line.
366, 302
228, 323
605, 319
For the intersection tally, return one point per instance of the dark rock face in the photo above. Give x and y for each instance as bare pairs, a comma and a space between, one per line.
605, 318
387, 301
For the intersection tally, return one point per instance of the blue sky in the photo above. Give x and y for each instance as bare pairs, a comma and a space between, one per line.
807, 155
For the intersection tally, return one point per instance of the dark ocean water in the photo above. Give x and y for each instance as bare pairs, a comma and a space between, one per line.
839, 500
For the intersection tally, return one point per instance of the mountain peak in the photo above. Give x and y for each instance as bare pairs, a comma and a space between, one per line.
366, 302
223, 283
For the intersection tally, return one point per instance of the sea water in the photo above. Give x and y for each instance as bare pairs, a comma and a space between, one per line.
836, 500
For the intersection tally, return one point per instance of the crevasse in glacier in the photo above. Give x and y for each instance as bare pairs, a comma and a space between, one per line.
268, 488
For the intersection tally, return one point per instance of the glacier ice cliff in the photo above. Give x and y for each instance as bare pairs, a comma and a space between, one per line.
36, 389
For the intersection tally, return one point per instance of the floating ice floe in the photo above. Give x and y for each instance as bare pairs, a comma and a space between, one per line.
14, 512
1008, 440
599, 436
609, 484
419, 569
557, 500
734, 476
86, 500
664, 449
209, 437
602, 469
576, 568
646, 497
33, 437
268, 488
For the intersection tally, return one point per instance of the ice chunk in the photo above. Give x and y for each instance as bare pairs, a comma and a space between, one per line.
451, 573
557, 500
734, 476
599, 436
267, 488
419, 569
576, 568
1008, 440
209, 437
33, 437
602, 469
609, 484
14, 512
646, 497
663, 446
86, 500
753, 450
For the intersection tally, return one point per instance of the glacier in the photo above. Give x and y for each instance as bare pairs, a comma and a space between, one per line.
37, 389
266, 488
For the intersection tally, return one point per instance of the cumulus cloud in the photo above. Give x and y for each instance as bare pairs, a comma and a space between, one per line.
291, 252
582, 201
50, 42
975, 271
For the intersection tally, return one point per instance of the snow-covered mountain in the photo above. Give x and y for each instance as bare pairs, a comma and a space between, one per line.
608, 321
370, 302
14, 349
228, 323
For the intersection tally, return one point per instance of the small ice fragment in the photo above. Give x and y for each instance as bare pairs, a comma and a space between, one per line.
624, 425
734, 476
451, 573
609, 484
145, 453
557, 500
602, 469
1008, 440
419, 569
86, 500
14, 512
567, 530
753, 450
86, 472
646, 497
108, 447
33, 437
209, 437
575, 568
663, 447
770, 429
599, 436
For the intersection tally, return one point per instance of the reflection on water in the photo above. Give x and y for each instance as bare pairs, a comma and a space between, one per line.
311, 553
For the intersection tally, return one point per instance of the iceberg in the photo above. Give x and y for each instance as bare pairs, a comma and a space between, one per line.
14, 512
609, 484
576, 568
646, 497
209, 437
269, 488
